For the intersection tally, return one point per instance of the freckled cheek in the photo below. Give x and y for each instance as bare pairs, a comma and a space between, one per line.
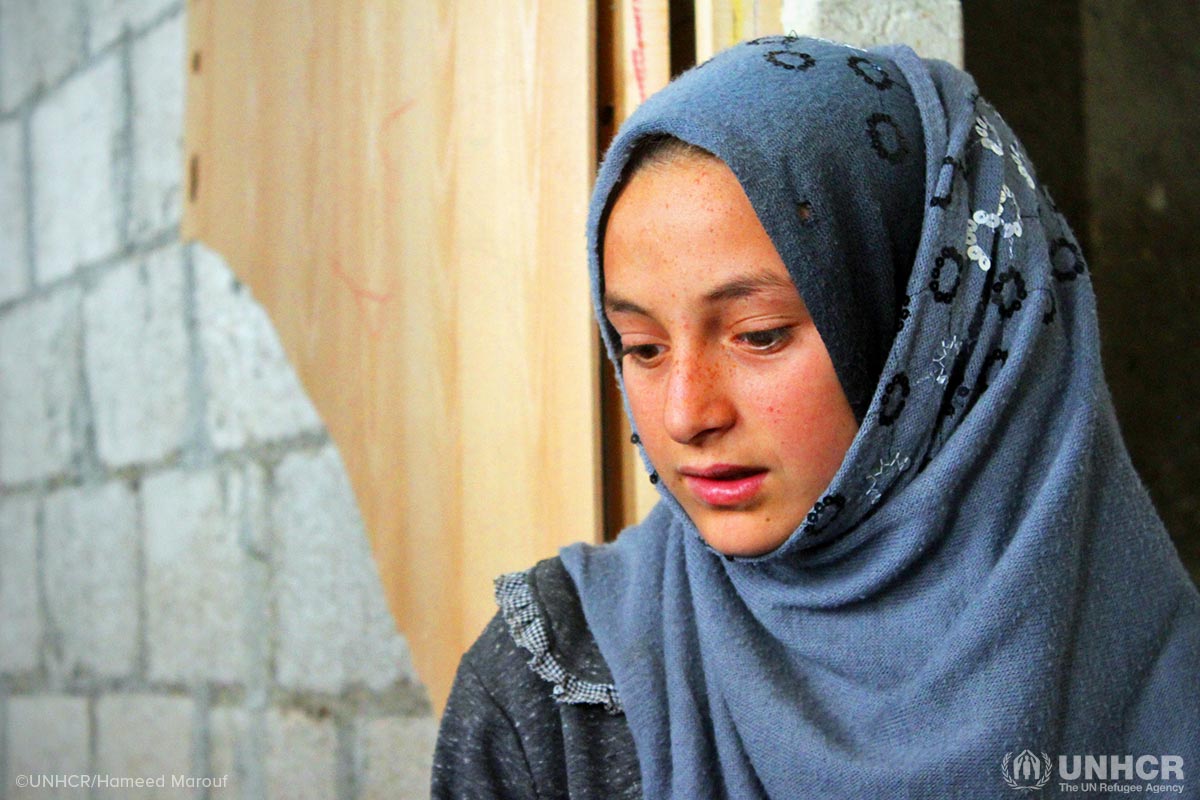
645, 402
794, 414
804, 412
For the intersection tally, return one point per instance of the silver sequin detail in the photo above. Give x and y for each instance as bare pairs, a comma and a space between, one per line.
947, 351
994, 220
988, 136
1019, 160
887, 468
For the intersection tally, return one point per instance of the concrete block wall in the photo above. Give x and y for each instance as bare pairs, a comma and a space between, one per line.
931, 27
185, 584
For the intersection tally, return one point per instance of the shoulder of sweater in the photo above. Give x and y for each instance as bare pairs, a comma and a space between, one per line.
542, 618
571, 638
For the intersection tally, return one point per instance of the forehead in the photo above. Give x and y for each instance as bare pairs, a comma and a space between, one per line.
686, 227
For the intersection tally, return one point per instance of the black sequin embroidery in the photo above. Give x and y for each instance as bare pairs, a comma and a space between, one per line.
775, 39
952, 400
790, 59
945, 184
1012, 306
877, 126
823, 513
946, 295
905, 313
1069, 270
873, 75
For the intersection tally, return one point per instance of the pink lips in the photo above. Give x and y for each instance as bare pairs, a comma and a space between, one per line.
724, 484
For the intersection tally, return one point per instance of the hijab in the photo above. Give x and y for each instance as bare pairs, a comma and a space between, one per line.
985, 576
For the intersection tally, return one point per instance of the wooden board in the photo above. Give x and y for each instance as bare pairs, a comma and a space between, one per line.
403, 186
721, 23
639, 60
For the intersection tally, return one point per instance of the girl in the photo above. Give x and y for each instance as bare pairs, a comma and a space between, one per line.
901, 549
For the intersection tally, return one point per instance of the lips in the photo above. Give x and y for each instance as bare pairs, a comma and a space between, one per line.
724, 485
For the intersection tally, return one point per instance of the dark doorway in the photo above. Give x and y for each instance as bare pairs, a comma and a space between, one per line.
1105, 95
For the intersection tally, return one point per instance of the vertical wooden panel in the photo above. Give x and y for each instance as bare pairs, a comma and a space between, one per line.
643, 51
639, 55
403, 186
721, 23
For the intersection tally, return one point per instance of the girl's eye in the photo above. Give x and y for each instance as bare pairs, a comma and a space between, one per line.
641, 352
768, 340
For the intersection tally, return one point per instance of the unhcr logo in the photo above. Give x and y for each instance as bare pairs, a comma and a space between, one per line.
1026, 771
1103, 774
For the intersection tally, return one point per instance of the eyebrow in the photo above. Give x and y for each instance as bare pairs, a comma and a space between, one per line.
735, 289
746, 286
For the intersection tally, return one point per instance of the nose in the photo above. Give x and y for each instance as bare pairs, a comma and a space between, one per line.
697, 404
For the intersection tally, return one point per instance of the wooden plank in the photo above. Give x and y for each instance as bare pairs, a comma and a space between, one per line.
643, 51
721, 23
639, 55
403, 186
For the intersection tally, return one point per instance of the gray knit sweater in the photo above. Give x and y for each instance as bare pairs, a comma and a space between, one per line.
533, 713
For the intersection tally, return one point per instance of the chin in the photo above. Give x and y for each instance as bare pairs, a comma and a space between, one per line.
736, 540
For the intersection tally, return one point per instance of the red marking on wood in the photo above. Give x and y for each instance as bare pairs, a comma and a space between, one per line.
363, 298
638, 54
385, 129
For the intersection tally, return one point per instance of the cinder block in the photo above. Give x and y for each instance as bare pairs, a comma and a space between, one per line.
75, 134
194, 574
931, 27
397, 757
91, 579
39, 44
110, 17
253, 392
14, 256
47, 735
334, 627
39, 386
137, 358
21, 628
301, 756
232, 751
158, 81
145, 736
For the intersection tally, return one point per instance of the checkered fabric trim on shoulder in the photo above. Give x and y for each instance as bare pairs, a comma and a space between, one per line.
527, 625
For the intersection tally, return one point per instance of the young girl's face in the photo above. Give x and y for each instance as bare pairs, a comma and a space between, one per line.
733, 392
